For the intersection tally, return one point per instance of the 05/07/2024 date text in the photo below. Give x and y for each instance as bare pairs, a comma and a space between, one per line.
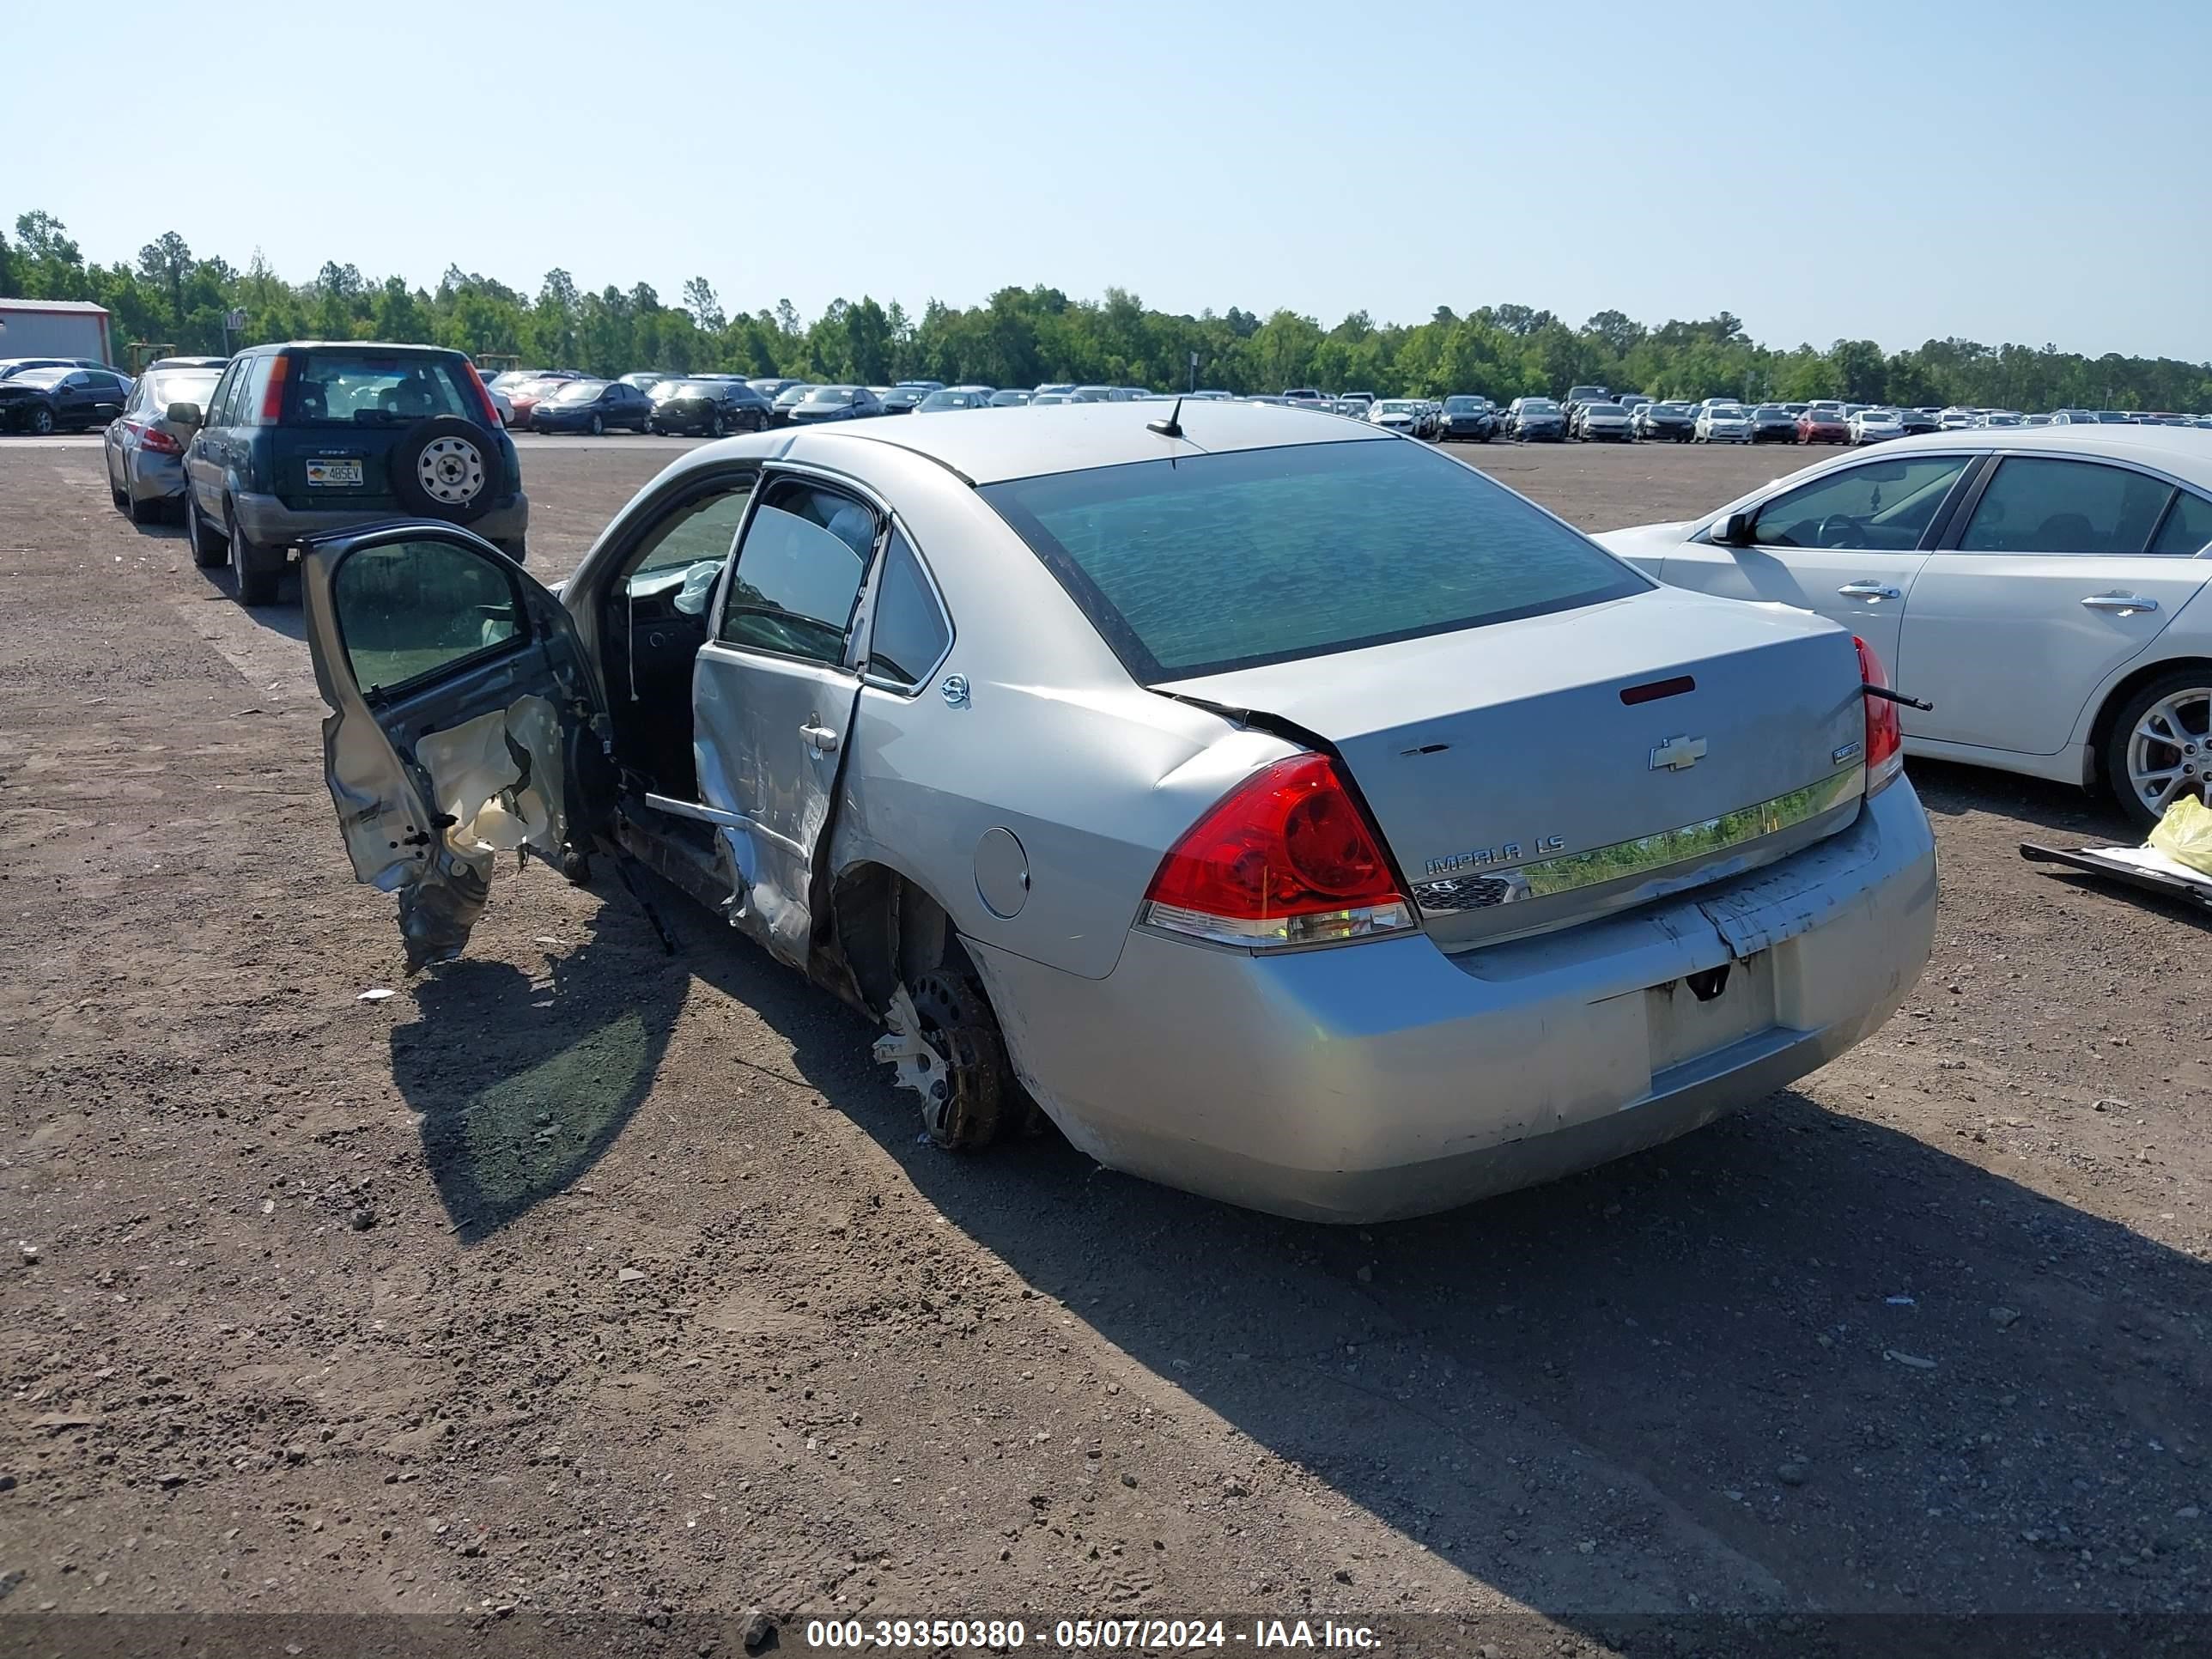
1086, 1634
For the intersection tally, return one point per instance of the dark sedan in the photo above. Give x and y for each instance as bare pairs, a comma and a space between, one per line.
60, 400
836, 403
1670, 421
1470, 418
1822, 426
713, 407
905, 399
591, 406
1771, 423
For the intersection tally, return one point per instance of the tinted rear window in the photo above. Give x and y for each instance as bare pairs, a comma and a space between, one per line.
1223, 561
363, 388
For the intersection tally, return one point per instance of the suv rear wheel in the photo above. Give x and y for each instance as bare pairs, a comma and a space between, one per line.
257, 572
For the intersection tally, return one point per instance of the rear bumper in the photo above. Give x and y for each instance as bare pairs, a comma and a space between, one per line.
149, 476
268, 522
1387, 1080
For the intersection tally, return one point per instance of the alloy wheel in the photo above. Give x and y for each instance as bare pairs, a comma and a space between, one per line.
2170, 750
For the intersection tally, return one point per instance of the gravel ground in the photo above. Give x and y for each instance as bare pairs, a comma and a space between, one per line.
577, 1281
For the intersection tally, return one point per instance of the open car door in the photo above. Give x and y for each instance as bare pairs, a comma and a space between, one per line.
464, 722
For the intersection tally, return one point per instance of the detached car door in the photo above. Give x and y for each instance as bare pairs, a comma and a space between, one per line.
772, 692
1847, 545
464, 720
2061, 572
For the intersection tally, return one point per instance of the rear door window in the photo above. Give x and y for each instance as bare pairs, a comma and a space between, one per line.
910, 635
345, 387
2038, 505
2188, 526
798, 573
1882, 507
1212, 562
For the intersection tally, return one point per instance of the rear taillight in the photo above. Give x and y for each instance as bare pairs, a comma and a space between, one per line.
1286, 858
1885, 733
483, 396
153, 438
272, 395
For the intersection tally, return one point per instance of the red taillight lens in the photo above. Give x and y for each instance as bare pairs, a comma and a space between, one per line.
153, 438
483, 396
272, 395
1286, 858
1885, 735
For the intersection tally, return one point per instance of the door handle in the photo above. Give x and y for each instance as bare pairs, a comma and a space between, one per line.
819, 737
1869, 591
2120, 604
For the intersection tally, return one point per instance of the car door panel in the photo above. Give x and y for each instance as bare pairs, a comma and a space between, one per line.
1812, 579
772, 695
1847, 545
752, 718
464, 720
2027, 609
2006, 648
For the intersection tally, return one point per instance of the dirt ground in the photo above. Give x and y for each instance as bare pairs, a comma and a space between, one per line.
579, 1283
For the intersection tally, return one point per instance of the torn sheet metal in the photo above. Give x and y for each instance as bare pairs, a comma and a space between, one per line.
2143, 867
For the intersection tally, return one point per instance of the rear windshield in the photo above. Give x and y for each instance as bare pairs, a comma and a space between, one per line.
1222, 561
180, 386
363, 388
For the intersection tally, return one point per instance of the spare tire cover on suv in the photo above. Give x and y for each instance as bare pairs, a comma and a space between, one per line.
445, 467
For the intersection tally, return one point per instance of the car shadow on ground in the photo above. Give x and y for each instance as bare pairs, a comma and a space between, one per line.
1797, 1360
523, 1083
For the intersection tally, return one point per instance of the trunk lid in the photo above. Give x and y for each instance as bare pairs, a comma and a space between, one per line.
1519, 789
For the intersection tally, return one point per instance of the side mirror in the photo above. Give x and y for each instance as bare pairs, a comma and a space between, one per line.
1735, 530
182, 415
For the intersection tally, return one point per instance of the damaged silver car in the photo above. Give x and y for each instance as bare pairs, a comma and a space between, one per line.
1289, 812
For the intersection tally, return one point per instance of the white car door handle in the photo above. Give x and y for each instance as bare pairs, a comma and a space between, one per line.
2120, 604
1869, 591
819, 737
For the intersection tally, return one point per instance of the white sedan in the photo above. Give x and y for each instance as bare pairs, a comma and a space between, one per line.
1871, 426
1723, 424
2039, 585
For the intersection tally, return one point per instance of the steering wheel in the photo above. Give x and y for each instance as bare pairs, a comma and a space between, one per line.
1833, 525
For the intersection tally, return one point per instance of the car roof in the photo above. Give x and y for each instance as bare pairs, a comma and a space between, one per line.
1025, 442
2184, 450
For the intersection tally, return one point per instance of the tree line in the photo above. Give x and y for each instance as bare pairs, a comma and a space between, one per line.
1022, 337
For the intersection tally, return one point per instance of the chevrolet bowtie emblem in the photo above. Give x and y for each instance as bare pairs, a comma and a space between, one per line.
1678, 754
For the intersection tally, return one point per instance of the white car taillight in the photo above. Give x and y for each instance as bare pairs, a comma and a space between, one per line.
1286, 857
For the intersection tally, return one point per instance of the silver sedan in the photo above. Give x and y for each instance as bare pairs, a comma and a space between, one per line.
145, 449
1281, 807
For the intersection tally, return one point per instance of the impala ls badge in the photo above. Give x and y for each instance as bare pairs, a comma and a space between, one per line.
1678, 754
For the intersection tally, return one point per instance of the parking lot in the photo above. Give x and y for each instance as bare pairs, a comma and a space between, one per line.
577, 1277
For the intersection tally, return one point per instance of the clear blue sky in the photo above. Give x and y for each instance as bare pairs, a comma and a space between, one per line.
2029, 171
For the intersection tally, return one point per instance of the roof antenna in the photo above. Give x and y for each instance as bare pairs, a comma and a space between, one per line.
1171, 427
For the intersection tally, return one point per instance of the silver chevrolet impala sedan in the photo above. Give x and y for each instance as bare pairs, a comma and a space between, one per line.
1284, 809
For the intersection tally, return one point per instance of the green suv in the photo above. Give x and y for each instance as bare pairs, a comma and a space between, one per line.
313, 435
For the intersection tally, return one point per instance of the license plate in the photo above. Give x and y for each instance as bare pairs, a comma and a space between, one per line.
334, 475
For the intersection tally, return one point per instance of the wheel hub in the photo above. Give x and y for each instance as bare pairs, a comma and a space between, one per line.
914, 1061
2166, 751
451, 471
